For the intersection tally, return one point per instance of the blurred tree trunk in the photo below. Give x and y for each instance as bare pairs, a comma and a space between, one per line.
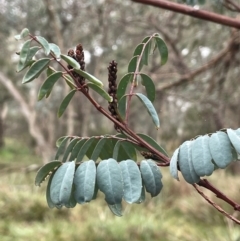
29, 113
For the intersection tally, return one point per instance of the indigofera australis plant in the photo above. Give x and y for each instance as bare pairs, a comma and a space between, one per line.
83, 166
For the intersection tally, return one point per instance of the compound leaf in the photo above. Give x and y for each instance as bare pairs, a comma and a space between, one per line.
109, 181
150, 108
44, 171
185, 163
84, 180
44, 44
62, 144
48, 84
152, 143
61, 185
123, 83
76, 149
173, 165
162, 48
100, 91
89, 77
65, 102
55, 50
69, 149
235, 139
201, 156
35, 70
84, 148
71, 61
24, 51
220, 148
98, 149
149, 86
132, 181
151, 176
116, 209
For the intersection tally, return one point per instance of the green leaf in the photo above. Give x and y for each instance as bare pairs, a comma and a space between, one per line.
98, 149
62, 182
69, 60
44, 44
152, 143
24, 51
84, 180
44, 171
150, 108
123, 83
65, 102
69, 80
173, 165
162, 48
132, 181
69, 149
201, 156
235, 139
35, 70
142, 197
77, 149
92, 147
89, 77
122, 106
62, 146
109, 181
32, 51
151, 177
130, 150
132, 66
138, 49
107, 150
72, 202
48, 197
220, 148
60, 140
116, 209
119, 153
185, 163
55, 50
23, 34
48, 84
147, 50
100, 91
84, 149
149, 86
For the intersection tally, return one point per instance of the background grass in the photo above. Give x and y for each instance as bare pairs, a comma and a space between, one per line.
178, 213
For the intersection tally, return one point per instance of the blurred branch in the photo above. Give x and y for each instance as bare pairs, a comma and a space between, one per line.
215, 205
190, 11
190, 76
232, 6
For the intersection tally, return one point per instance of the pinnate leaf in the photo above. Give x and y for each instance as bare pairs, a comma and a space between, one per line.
44, 171
109, 181
65, 102
44, 44
100, 91
48, 84
84, 180
35, 70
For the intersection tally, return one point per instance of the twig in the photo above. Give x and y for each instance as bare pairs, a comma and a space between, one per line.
190, 11
216, 206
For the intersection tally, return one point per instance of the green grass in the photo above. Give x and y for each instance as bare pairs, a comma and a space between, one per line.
178, 213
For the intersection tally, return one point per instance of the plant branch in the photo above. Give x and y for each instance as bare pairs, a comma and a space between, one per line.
206, 184
190, 11
216, 206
